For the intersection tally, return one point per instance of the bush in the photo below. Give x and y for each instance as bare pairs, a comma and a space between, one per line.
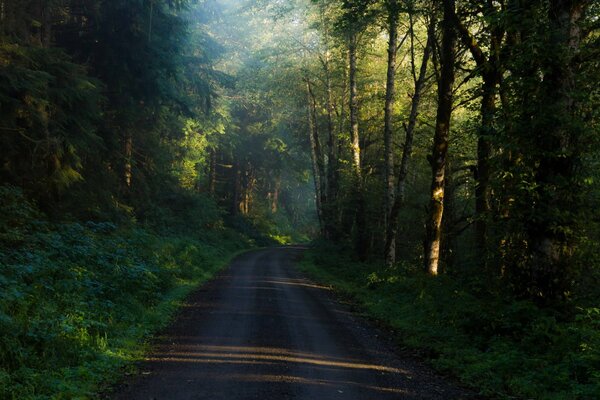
498, 344
76, 299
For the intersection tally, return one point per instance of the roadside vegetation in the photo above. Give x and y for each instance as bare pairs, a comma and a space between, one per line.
500, 345
79, 299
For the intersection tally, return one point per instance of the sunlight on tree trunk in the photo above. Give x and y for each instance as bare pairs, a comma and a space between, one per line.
407, 150
440, 142
390, 182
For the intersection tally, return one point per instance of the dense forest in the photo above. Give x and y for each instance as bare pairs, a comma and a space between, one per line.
441, 156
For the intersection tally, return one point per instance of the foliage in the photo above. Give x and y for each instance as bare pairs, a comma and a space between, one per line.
500, 345
50, 108
78, 298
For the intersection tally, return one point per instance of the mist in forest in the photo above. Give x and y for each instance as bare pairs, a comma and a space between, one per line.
438, 159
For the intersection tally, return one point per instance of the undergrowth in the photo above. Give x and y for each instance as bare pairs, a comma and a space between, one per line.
78, 299
502, 346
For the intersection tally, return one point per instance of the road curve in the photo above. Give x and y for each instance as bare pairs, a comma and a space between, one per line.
262, 331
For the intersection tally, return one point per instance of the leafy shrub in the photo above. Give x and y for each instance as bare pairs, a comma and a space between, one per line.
75, 298
503, 346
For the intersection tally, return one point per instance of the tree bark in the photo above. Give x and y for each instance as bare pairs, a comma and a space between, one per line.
491, 74
212, 173
440, 142
354, 131
316, 157
275, 195
392, 232
361, 243
237, 188
128, 160
558, 202
390, 184
484, 154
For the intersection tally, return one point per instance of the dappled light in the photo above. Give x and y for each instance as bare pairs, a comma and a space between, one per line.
297, 282
299, 199
304, 381
250, 354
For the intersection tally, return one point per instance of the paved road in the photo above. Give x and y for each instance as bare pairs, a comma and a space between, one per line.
262, 331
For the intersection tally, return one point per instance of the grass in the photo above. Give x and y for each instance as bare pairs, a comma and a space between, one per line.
501, 346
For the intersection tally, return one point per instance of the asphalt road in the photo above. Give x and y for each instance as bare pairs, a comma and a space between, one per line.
262, 331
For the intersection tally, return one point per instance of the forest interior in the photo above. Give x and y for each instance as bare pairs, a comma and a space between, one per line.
439, 160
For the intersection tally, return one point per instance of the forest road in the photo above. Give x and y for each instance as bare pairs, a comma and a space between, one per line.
260, 330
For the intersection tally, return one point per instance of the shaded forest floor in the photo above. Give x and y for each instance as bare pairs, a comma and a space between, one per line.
501, 346
79, 299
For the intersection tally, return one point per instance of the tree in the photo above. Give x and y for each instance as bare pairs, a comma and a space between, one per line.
440, 142
390, 184
400, 187
489, 67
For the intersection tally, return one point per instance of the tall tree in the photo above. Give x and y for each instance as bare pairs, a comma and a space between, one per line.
390, 184
558, 133
316, 155
490, 69
440, 141
407, 149
356, 17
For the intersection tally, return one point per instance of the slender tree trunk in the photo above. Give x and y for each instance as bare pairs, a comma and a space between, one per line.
275, 195
489, 65
237, 188
360, 217
392, 232
440, 142
248, 189
390, 183
316, 158
46, 29
150, 18
484, 154
354, 132
448, 222
332, 160
329, 105
212, 172
128, 160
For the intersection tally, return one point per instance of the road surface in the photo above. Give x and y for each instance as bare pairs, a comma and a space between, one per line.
261, 330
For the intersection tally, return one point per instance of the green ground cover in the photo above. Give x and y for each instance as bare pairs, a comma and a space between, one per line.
499, 345
78, 299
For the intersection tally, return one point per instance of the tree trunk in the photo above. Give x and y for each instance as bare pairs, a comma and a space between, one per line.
316, 157
46, 29
275, 195
390, 183
128, 160
440, 142
361, 243
489, 66
332, 161
392, 231
354, 133
212, 172
558, 202
248, 185
237, 188
484, 154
